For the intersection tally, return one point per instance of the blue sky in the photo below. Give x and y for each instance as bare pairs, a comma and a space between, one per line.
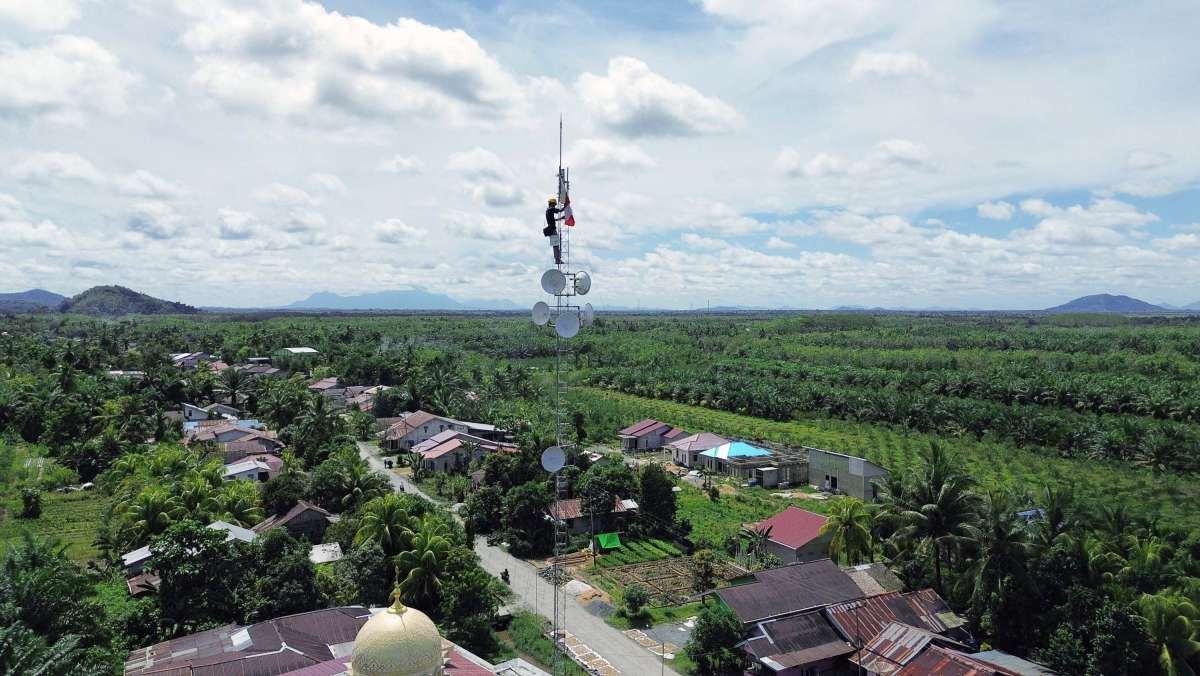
967, 153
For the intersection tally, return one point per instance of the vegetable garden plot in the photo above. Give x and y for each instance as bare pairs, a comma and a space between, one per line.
669, 581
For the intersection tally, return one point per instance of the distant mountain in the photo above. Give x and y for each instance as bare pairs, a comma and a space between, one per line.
1192, 306
410, 299
115, 301
33, 299
1105, 302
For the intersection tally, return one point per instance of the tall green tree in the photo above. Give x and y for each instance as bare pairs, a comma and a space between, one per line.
850, 524
713, 644
942, 509
387, 522
420, 569
656, 498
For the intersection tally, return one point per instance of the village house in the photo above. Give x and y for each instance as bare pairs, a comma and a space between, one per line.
577, 520
794, 535
648, 435
303, 520
686, 452
259, 468
190, 360
193, 413
845, 474
452, 449
419, 426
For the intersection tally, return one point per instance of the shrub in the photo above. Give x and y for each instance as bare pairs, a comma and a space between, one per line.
31, 503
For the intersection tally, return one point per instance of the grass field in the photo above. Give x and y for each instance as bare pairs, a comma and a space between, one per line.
72, 518
713, 522
1165, 497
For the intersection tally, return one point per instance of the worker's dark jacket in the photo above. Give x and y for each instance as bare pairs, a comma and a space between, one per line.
551, 221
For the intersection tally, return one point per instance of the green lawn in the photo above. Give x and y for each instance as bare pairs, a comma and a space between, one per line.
713, 522
655, 616
527, 632
1166, 497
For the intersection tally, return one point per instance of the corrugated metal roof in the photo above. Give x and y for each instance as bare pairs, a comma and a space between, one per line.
790, 589
935, 661
736, 449
896, 646
699, 442
1013, 663
797, 641
641, 428
573, 508
866, 617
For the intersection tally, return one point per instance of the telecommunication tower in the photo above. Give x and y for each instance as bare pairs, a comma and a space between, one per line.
567, 316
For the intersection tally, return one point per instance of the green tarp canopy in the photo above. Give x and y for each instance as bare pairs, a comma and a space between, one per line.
609, 540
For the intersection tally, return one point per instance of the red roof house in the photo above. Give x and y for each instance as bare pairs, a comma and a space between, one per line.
795, 535
648, 435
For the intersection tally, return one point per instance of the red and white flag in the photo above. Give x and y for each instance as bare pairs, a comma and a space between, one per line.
568, 215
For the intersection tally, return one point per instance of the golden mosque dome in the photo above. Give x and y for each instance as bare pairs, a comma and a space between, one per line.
399, 641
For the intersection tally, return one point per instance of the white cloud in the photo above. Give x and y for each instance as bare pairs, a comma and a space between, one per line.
889, 64
327, 183
155, 220
479, 163
37, 234
485, 227
778, 244
1103, 212
498, 195
295, 58
40, 15
142, 183
603, 156
402, 164
302, 221
62, 80
996, 211
50, 166
703, 243
636, 102
236, 225
887, 155
10, 208
1139, 159
282, 194
396, 231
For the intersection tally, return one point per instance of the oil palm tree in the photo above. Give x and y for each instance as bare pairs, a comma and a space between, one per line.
1173, 625
850, 523
232, 383
23, 652
756, 540
238, 503
422, 565
386, 522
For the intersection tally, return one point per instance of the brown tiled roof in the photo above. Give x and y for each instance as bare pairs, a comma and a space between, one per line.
410, 422
790, 589
277, 521
867, 617
699, 442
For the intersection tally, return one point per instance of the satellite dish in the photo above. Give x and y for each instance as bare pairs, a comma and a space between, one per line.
567, 323
589, 314
553, 282
583, 283
553, 459
541, 313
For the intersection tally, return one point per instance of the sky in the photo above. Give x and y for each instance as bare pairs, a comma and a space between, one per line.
777, 153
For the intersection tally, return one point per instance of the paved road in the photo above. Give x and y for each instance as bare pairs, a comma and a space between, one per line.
536, 594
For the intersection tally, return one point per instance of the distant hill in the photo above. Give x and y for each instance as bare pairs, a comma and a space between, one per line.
1192, 306
33, 299
1105, 302
115, 301
410, 299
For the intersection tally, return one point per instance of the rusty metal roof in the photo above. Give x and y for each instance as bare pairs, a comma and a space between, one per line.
573, 508
935, 661
865, 618
896, 646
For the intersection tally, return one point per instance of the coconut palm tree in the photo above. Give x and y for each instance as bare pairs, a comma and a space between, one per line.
756, 540
238, 503
386, 522
941, 512
1002, 547
850, 523
1173, 625
150, 513
422, 584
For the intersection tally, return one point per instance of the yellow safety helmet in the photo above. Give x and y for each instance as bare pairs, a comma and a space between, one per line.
553, 200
